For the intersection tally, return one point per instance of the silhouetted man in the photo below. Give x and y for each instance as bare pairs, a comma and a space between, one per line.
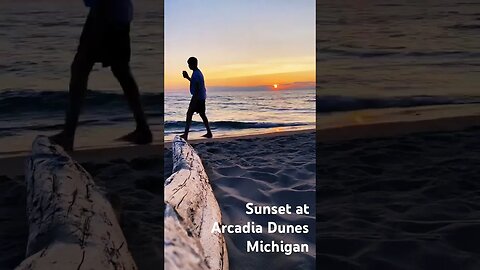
105, 39
199, 95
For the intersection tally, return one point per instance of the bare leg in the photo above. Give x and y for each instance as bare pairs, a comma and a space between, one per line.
130, 89
207, 125
142, 133
187, 124
80, 70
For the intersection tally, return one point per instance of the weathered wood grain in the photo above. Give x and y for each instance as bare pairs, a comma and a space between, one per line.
189, 194
181, 251
71, 224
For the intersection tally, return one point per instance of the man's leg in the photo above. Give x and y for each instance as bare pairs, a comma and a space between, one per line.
187, 124
80, 70
130, 89
207, 125
142, 133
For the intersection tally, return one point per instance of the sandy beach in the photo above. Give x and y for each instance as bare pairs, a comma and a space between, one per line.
399, 195
277, 169
273, 169
376, 206
402, 202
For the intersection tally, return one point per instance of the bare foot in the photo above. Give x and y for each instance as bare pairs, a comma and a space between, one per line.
138, 137
63, 140
208, 135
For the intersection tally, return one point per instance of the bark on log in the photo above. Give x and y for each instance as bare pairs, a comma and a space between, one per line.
190, 195
71, 224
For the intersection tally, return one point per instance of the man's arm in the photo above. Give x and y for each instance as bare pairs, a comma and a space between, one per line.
185, 75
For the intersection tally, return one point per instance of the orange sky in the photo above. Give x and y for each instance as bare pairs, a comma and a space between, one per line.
241, 43
243, 76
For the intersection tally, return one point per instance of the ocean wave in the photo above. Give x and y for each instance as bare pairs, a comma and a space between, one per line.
464, 26
360, 53
174, 126
328, 104
14, 102
46, 127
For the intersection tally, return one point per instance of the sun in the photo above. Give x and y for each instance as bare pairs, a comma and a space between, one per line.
275, 86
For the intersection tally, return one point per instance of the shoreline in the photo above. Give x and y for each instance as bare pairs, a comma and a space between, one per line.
397, 128
363, 131
14, 165
167, 144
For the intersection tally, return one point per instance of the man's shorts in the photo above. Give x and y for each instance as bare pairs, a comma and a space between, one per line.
103, 41
196, 105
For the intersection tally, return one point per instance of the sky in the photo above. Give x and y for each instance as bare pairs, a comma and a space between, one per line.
244, 43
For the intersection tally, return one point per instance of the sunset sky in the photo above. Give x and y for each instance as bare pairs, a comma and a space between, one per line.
248, 43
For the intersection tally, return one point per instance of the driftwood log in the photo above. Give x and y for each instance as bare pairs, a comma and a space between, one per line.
181, 251
71, 224
191, 211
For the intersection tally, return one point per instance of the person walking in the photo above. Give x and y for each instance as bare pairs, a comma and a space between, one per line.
105, 39
199, 95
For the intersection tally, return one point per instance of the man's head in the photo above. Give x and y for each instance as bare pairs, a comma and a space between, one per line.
192, 63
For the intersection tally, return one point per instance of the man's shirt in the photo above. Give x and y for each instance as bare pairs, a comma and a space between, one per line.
197, 85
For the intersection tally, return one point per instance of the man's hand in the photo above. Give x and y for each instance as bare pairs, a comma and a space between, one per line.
185, 75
